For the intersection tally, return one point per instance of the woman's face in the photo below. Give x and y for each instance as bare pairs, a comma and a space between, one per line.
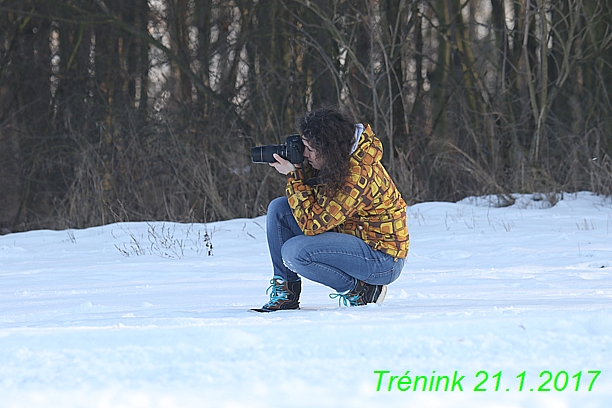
311, 155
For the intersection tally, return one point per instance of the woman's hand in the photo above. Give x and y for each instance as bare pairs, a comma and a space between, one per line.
282, 166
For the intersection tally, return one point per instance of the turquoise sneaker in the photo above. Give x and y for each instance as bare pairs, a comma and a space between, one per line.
284, 295
362, 294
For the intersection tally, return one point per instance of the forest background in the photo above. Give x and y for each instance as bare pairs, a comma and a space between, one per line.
114, 110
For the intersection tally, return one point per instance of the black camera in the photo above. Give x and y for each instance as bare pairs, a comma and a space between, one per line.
292, 150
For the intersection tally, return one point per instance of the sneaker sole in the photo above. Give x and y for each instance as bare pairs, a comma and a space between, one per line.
264, 310
381, 297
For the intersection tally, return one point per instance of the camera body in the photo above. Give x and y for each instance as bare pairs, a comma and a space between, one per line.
292, 150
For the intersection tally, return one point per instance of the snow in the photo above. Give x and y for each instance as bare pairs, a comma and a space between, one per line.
138, 315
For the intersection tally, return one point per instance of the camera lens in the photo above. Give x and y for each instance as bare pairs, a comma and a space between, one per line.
263, 154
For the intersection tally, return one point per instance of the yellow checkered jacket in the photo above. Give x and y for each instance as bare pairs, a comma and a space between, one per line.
369, 206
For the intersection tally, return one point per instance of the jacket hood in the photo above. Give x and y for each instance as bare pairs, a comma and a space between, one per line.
370, 149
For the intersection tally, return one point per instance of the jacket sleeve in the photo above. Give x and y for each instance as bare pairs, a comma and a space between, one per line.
317, 213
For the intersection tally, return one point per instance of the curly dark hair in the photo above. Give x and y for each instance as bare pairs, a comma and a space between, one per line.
331, 134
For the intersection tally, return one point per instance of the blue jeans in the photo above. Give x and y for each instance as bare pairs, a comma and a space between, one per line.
330, 258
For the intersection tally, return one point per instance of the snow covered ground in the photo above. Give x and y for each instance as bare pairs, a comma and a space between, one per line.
515, 302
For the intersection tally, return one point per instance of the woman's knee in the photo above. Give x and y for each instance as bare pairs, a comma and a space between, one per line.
277, 209
279, 205
293, 253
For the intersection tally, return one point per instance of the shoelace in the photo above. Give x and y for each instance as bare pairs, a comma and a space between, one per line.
345, 298
277, 293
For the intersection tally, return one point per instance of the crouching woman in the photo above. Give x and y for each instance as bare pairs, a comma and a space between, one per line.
342, 222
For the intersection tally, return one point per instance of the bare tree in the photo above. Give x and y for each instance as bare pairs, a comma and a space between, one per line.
147, 110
